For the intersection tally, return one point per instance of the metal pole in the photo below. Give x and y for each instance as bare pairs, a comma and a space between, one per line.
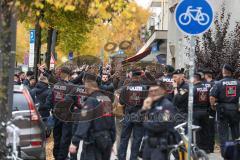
190, 96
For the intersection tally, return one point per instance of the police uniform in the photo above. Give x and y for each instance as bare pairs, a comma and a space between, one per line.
168, 81
212, 116
227, 91
97, 130
200, 113
132, 96
79, 96
159, 126
62, 131
180, 99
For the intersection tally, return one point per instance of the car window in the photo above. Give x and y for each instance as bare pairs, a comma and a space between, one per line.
19, 102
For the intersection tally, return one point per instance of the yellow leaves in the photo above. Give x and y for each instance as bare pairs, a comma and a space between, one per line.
18, 3
22, 42
38, 13
50, 1
124, 26
39, 4
69, 8
57, 4
42, 24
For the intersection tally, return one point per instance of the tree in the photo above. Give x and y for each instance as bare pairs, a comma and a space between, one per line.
71, 18
7, 54
219, 46
125, 26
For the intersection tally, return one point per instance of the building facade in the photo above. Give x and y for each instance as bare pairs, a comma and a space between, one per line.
154, 34
177, 46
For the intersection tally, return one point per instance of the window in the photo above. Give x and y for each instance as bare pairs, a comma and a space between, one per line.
19, 102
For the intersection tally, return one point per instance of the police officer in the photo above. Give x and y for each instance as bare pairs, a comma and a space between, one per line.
200, 110
168, 80
97, 128
132, 96
209, 82
180, 99
158, 123
62, 130
224, 97
78, 95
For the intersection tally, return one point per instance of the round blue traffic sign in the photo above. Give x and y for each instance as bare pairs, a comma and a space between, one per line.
194, 16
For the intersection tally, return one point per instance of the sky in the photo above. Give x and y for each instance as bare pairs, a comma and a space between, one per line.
143, 3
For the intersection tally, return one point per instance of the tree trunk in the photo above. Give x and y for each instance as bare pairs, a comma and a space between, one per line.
7, 58
37, 48
49, 44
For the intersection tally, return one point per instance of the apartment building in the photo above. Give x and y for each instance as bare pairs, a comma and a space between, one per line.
177, 42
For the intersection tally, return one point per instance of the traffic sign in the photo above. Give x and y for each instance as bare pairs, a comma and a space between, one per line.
70, 56
52, 62
194, 17
32, 36
31, 49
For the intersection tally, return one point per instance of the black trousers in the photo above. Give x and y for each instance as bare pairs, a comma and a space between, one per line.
227, 119
62, 134
159, 152
211, 138
201, 118
92, 152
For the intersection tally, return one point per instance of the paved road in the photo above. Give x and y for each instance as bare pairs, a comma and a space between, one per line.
212, 156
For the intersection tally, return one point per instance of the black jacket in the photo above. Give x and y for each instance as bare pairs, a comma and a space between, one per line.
180, 100
108, 89
132, 96
95, 120
26, 82
39, 94
160, 118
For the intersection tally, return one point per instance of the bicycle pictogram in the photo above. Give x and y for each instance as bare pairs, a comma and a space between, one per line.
194, 14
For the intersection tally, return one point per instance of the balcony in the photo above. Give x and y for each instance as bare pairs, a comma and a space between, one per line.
156, 35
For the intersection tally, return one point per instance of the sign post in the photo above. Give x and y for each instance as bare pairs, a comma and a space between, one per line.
31, 49
52, 62
193, 17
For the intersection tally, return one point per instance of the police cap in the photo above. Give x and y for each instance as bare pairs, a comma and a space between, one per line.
169, 69
208, 71
228, 67
179, 71
200, 74
136, 72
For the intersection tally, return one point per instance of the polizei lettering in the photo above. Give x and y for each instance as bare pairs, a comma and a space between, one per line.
169, 80
135, 88
58, 87
230, 83
202, 89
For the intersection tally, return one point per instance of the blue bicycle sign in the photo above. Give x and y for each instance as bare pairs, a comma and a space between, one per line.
194, 14
194, 17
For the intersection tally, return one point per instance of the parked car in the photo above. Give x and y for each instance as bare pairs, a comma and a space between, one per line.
32, 128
